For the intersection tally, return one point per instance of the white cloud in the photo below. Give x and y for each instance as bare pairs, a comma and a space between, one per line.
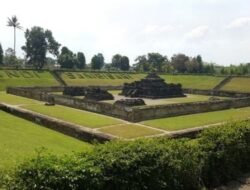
198, 32
239, 22
156, 29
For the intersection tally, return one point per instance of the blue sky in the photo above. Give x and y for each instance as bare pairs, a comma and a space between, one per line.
219, 30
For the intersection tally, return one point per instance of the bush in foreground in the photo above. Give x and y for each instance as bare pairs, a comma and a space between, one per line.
216, 156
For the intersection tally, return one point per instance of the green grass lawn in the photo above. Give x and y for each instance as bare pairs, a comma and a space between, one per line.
240, 84
26, 78
194, 81
88, 78
196, 120
19, 139
16, 100
84, 118
188, 98
129, 131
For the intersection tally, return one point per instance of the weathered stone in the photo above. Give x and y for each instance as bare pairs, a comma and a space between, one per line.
74, 91
213, 98
50, 102
152, 87
98, 94
130, 102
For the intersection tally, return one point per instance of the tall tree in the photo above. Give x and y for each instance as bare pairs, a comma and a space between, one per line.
97, 62
124, 63
200, 63
156, 61
67, 58
81, 61
178, 62
10, 59
1, 54
116, 61
38, 44
142, 63
13, 22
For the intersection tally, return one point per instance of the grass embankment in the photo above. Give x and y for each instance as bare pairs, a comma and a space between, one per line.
19, 139
99, 79
194, 81
239, 84
88, 78
197, 120
26, 78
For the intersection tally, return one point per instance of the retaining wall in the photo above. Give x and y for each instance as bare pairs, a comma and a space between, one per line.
153, 112
232, 94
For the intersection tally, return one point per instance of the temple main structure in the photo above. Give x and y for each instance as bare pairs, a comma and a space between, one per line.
152, 86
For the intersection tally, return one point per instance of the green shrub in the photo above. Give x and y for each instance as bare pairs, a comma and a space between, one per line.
226, 152
218, 155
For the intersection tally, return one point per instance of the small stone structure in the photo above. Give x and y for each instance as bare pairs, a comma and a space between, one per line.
74, 91
50, 102
152, 87
98, 94
130, 102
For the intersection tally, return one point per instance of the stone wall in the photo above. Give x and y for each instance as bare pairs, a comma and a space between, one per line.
160, 111
232, 94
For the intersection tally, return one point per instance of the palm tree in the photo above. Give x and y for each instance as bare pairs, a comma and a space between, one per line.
13, 22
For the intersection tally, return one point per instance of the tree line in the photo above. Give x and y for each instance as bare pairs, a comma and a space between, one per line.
40, 43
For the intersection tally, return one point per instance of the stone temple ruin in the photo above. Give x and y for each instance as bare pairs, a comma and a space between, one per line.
98, 94
89, 93
152, 86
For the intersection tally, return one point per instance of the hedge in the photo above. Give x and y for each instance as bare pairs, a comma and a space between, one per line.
217, 156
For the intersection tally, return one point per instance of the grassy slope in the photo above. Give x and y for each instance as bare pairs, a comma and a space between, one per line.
188, 81
19, 139
238, 84
129, 131
26, 78
80, 117
84, 78
195, 120
194, 81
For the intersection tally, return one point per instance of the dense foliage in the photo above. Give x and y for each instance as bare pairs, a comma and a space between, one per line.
67, 59
97, 62
120, 62
38, 43
216, 156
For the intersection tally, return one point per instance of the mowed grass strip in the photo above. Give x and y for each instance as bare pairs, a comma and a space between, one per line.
129, 131
194, 81
240, 84
80, 117
26, 78
197, 120
187, 99
16, 100
20, 139
99, 79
